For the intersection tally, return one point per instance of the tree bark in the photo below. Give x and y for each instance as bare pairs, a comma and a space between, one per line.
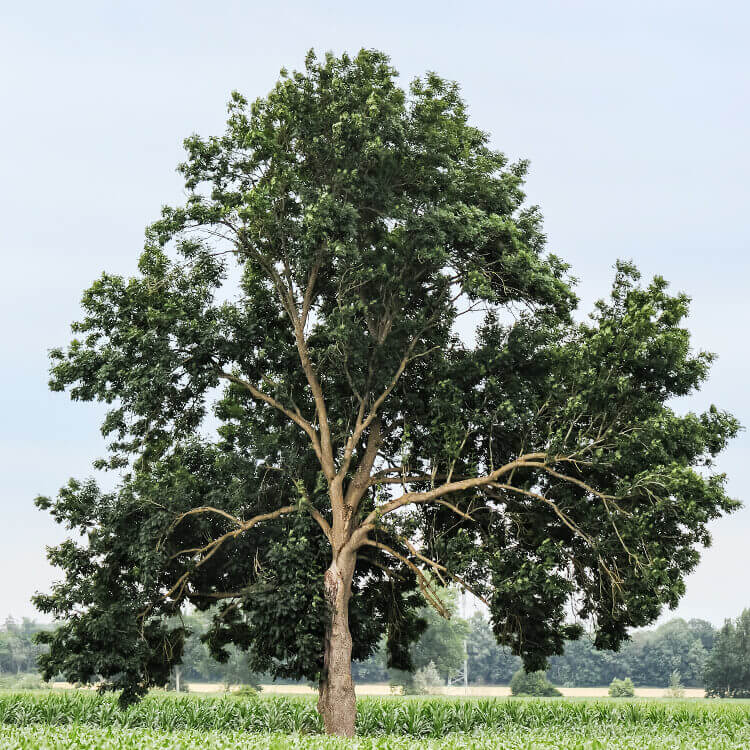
336, 700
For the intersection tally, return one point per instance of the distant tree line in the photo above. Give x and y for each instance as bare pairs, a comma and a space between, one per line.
718, 659
18, 650
649, 658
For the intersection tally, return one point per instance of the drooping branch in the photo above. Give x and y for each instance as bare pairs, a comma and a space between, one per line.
567, 521
440, 571
205, 509
488, 484
527, 461
218, 595
425, 586
438, 568
359, 536
210, 549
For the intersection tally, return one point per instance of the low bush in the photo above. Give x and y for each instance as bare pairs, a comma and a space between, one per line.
676, 689
621, 688
246, 691
427, 680
534, 684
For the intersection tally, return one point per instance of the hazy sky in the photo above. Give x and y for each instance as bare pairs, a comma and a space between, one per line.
635, 117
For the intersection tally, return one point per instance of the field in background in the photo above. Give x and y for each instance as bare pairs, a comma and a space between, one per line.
474, 691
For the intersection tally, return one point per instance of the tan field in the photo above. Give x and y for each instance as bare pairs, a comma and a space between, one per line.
489, 691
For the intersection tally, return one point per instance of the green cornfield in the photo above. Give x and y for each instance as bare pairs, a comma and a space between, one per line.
84, 720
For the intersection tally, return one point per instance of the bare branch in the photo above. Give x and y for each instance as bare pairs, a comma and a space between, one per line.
205, 509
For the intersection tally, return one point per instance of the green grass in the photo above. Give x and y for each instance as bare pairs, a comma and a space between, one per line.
86, 720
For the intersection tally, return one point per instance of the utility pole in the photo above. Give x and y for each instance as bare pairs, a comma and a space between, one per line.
466, 650
463, 608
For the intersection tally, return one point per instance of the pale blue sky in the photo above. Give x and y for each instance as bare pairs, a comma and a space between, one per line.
635, 117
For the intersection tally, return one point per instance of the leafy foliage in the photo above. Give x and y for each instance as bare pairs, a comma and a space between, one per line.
649, 657
18, 651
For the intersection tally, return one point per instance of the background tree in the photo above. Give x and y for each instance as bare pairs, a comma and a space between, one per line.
427, 680
489, 662
727, 672
199, 666
649, 657
440, 645
308, 292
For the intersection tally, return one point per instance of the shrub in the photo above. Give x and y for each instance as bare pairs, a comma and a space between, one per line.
532, 684
427, 680
246, 691
401, 682
621, 688
676, 689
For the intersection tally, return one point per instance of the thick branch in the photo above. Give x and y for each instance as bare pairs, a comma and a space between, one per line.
243, 526
287, 298
411, 498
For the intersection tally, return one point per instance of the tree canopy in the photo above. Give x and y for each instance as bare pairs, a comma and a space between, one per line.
308, 297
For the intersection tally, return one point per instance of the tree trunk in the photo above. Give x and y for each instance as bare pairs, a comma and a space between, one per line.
336, 700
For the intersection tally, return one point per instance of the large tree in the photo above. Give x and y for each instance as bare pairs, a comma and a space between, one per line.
307, 298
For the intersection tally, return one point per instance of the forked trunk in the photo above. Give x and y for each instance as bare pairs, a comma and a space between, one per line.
336, 701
